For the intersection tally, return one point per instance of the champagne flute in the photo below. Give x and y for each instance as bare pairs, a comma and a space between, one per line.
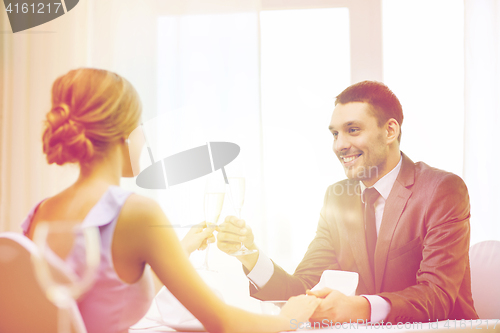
237, 195
65, 266
214, 200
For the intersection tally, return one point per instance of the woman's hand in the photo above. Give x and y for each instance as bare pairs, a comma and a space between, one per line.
300, 308
338, 307
198, 237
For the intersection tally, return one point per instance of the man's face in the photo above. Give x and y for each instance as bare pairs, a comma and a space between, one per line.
359, 143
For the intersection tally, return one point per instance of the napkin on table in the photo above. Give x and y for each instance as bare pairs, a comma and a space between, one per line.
343, 281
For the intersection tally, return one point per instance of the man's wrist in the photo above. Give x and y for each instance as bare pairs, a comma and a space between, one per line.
379, 308
364, 309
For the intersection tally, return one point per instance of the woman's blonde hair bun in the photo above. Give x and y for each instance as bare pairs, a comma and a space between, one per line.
64, 139
91, 110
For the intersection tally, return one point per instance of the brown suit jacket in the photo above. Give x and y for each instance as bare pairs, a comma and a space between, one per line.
422, 253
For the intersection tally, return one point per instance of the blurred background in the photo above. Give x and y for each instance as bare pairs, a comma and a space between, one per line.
264, 74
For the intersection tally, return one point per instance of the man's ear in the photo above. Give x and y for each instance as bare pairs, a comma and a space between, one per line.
393, 129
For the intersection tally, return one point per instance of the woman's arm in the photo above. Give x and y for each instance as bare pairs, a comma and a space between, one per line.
157, 244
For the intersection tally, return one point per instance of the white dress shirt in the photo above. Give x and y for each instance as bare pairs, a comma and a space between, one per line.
380, 308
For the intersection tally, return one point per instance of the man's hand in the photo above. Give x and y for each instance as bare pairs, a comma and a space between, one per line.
338, 307
231, 234
198, 237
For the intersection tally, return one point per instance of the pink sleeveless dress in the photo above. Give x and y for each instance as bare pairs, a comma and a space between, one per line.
111, 305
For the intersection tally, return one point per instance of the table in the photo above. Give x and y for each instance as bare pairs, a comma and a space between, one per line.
445, 326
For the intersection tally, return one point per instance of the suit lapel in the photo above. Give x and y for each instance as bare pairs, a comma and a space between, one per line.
351, 209
394, 207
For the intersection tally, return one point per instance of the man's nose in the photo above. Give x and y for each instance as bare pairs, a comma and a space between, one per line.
342, 143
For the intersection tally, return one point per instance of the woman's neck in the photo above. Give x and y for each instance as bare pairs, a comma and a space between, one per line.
105, 170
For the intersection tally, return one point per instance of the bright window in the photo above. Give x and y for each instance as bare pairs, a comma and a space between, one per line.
424, 65
305, 63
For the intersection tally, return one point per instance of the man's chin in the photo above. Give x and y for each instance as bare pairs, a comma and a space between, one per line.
352, 174
361, 172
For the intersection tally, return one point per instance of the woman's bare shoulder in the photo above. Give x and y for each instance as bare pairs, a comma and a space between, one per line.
141, 209
142, 225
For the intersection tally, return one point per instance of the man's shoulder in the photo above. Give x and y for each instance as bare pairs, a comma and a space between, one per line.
439, 193
436, 183
429, 175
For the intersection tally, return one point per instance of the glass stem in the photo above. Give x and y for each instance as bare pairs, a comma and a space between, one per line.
76, 320
64, 318
205, 264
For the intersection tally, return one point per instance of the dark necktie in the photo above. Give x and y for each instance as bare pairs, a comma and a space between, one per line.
370, 196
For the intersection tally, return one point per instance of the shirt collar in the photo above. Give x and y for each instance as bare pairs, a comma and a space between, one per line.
384, 184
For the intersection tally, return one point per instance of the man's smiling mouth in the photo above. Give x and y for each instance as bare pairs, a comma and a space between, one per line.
350, 159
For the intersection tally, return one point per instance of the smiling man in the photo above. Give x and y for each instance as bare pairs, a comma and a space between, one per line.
403, 226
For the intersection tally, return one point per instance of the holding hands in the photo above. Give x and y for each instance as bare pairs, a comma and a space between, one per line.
337, 307
300, 308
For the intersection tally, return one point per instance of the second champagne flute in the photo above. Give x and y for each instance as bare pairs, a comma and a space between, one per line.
237, 195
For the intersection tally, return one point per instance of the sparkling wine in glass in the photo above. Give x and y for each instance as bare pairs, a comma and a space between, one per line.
214, 200
65, 266
213, 207
237, 195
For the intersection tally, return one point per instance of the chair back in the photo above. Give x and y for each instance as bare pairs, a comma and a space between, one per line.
24, 306
485, 278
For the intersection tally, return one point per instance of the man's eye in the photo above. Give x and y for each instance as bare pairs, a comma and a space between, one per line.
353, 130
335, 135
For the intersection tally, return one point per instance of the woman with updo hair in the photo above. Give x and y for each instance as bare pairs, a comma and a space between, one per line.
92, 116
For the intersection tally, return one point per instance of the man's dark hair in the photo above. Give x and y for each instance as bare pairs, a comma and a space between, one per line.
384, 104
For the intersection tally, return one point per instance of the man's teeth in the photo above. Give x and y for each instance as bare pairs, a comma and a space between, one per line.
350, 158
